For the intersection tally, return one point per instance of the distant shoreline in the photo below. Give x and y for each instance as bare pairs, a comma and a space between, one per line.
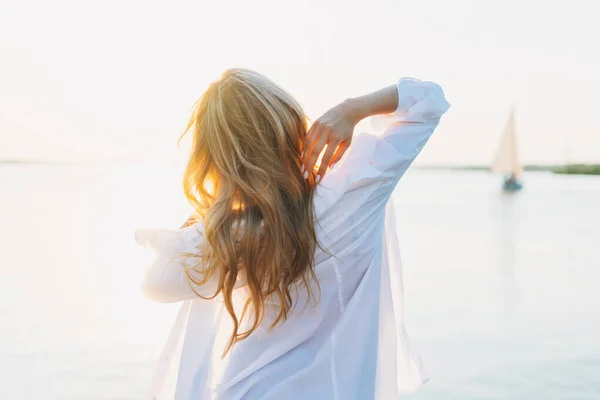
570, 169
578, 169
34, 162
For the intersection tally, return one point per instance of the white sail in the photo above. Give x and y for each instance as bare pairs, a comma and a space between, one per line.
507, 158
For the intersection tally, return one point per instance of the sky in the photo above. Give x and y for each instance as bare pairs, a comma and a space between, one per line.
115, 80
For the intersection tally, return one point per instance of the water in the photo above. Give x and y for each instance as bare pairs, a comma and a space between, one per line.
502, 291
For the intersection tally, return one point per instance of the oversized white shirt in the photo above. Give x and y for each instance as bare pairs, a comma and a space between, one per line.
351, 343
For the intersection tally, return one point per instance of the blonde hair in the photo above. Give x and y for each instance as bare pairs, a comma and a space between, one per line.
244, 181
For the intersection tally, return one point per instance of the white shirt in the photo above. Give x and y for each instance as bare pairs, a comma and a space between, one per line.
352, 343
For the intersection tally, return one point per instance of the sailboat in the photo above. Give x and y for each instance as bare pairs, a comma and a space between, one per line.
507, 158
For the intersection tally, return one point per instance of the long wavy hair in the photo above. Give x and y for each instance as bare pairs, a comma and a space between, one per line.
244, 181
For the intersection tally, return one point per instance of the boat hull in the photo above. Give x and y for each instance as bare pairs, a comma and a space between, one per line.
512, 185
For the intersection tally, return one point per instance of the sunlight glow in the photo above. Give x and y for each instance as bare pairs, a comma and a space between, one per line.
318, 163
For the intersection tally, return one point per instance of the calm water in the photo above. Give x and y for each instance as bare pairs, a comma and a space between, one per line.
503, 295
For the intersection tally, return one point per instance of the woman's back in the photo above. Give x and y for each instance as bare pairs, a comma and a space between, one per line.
348, 340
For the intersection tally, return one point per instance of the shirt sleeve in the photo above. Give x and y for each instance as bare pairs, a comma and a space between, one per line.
366, 176
379, 162
165, 279
407, 130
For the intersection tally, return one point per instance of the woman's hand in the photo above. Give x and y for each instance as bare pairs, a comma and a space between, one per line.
336, 126
334, 129
189, 222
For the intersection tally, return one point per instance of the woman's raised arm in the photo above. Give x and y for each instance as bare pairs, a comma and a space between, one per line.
336, 126
408, 102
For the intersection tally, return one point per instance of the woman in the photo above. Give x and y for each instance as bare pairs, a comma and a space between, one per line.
289, 271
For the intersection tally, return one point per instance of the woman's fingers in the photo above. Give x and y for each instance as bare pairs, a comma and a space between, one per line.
334, 129
311, 138
326, 160
190, 221
319, 135
307, 141
314, 153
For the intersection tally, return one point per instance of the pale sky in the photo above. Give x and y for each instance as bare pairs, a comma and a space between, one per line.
117, 79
